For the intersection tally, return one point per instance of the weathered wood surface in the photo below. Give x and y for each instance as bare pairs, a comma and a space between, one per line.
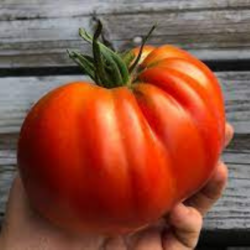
28, 9
18, 94
232, 212
37, 33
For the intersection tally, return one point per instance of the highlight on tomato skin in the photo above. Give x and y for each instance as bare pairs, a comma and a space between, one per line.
147, 49
115, 156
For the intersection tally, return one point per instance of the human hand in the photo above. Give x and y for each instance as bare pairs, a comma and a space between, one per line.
25, 229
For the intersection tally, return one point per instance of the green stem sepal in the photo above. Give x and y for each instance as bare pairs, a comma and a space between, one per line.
106, 68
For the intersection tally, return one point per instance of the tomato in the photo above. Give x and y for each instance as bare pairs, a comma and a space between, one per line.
112, 158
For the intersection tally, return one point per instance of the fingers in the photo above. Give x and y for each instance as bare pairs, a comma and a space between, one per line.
115, 243
171, 242
17, 203
186, 223
229, 134
18, 210
147, 240
207, 197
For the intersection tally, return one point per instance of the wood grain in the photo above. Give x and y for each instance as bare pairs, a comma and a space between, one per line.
37, 34
33, 9
17, 95
232, 211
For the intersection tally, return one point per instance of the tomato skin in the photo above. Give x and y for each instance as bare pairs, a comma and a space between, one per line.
114, 160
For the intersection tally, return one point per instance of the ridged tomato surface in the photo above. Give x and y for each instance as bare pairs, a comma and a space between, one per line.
114, 160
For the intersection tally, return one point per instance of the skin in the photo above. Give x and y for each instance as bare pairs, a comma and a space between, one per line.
25, 229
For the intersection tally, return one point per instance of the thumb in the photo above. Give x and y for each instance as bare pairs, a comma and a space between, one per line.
186, 223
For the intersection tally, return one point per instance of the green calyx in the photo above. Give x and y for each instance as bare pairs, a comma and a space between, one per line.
106, 68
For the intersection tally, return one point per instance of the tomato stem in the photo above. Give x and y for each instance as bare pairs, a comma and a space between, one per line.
107, 68
100, 74
133, 66
85, 65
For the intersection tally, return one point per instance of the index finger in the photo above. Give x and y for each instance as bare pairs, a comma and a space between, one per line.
228, 134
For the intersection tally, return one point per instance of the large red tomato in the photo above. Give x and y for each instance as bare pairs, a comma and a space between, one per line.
115, 156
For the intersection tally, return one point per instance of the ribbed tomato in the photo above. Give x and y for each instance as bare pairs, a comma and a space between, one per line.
115, 156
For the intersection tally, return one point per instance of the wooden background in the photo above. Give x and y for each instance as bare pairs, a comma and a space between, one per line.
34, 36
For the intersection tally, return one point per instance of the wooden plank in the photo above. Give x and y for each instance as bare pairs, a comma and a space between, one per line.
37, 43
236, 89
34, 9
232, 211
212, 30
210, 34
17, 95
7, 174
8, 143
